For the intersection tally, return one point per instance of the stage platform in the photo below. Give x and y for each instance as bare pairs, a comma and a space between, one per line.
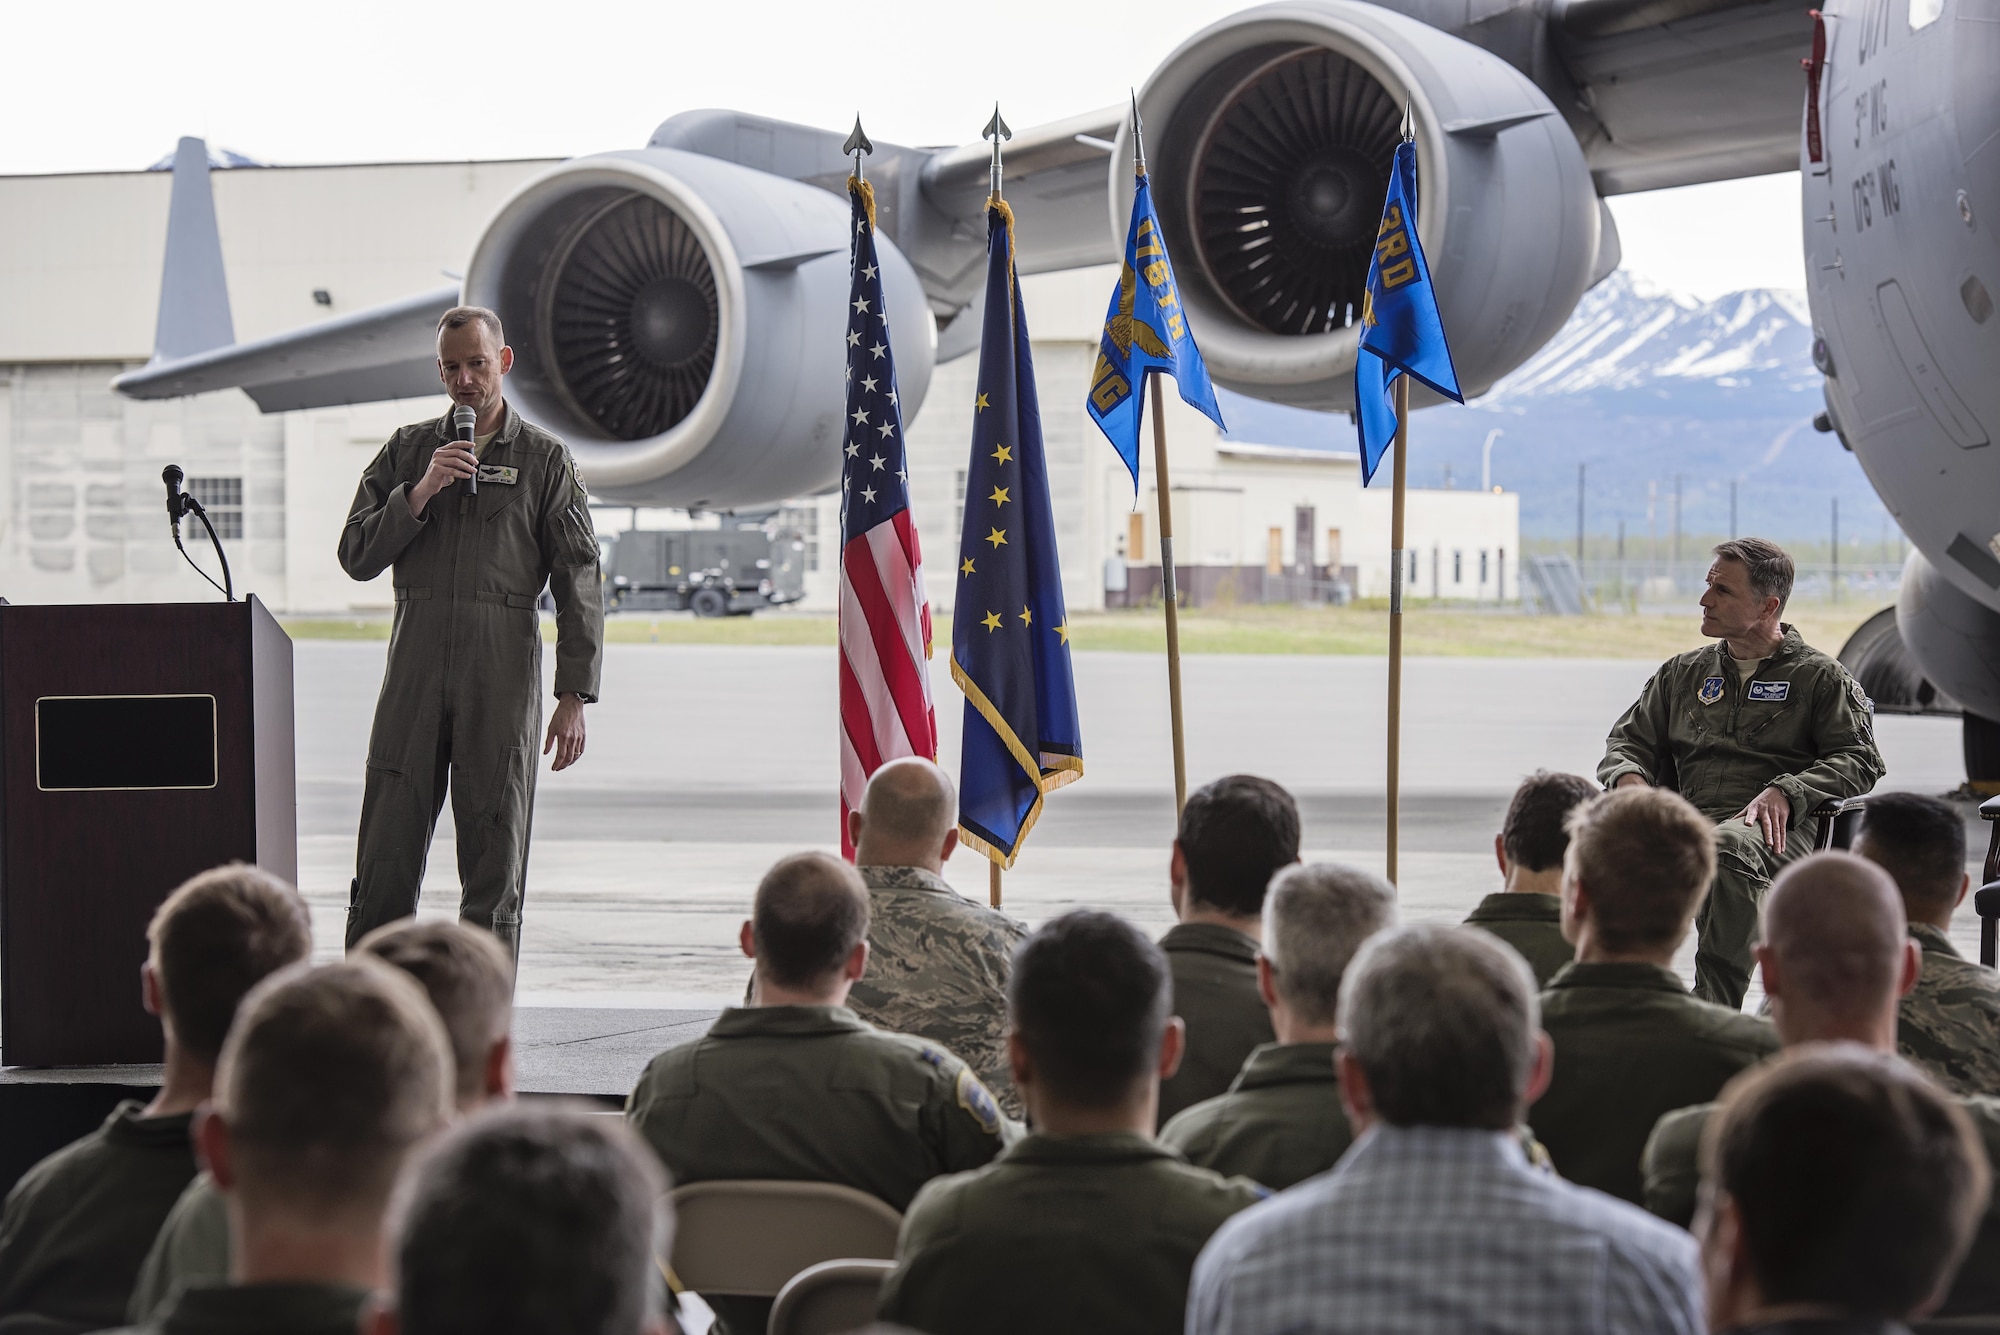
588, 1052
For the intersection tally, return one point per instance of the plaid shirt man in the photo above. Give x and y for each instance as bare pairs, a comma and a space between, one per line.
1425, 1229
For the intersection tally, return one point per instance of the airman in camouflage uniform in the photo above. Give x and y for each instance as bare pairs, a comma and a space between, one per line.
938, 963
937, 968
1756, 731
1950, 1025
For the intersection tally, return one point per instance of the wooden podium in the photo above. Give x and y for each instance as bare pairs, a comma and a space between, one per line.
139, 744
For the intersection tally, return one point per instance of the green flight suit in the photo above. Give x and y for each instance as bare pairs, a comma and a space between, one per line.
1800, 725
813, 1094
192, 1248
1631, 1044
1673, 1179
78, 1223
462, 691
1279, 1123
1215, 994
1093, 1234
258, 1309
1530, 922
1950, 1024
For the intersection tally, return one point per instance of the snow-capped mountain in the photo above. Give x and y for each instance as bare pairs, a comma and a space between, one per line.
1642, 386
1628, 336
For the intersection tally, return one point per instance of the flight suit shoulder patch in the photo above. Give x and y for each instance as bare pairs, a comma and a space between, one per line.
976, 1099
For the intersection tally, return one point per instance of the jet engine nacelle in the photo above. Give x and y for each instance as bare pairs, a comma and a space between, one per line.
1954, 637
680, 321
1269, 138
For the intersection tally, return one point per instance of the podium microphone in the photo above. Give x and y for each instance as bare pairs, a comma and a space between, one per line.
463, 419
171, 475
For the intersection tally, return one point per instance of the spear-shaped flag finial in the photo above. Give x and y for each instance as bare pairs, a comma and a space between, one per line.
1138, 138
1409, 121
858, 146
996, 130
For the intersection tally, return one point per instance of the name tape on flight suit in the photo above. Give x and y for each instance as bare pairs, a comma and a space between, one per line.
500, 473
1770, 690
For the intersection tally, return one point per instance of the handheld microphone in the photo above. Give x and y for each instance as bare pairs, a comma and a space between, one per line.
171, 475
463, 419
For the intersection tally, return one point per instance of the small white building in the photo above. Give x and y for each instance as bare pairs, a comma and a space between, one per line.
81, 513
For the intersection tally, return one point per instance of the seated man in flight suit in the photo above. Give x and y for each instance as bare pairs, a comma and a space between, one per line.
796, 1087
1755, 730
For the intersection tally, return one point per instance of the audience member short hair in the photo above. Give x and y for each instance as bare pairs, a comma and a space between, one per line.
1535, 833
327, 1078
1234, 835
1090, 997
468, 976
1920, 841
1646, 856
1858, 1183
1443, 1022
811, 912
910, 801
1770, 568
1315, 918
531, 1221
1835, 927
214, 938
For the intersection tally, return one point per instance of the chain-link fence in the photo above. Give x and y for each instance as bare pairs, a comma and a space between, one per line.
1560, 584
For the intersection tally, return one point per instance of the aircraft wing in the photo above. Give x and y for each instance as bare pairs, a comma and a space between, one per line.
386, 352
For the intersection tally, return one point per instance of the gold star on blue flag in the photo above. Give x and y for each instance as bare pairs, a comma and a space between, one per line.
1401, 330
1010, 637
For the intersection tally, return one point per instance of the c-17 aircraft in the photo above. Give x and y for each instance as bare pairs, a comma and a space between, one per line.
676, 309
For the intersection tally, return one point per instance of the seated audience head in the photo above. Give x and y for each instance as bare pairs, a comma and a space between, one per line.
328, 1079
1639, 862
1091, 1031
908, 817
469, 977
1535, 834
1920, 842
529, 1221
216, 937
1234, 835
1835, 953
1315, 918
1439, 1026
808, 931
1837, 1178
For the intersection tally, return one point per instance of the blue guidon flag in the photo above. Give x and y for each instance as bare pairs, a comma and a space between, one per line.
885, 617
1010, 634
1401, 332
1145, 331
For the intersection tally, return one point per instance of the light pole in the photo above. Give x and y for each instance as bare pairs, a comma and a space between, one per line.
1486, 459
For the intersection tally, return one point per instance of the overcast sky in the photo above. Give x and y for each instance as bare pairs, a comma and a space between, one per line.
111, 85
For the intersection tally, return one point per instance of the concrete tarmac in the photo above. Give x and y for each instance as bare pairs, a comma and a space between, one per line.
705, 763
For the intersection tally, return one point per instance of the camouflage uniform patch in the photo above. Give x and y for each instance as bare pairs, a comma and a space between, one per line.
1950, 1025
938, 965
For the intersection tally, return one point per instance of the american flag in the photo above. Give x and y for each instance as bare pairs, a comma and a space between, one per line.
885, 619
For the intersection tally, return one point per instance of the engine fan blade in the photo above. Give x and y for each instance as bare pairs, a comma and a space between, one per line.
1290, 180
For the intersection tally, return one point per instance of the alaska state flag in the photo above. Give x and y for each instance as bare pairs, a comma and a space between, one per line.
1400, 329
1009, 633
1145, 330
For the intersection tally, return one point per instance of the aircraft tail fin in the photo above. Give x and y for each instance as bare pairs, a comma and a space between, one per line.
194, 290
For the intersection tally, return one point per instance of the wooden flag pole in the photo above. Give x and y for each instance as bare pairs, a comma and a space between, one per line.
1401, 560
993, 883
1170, 593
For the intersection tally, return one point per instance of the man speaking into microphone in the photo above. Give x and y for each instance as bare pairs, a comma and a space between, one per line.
474, 530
